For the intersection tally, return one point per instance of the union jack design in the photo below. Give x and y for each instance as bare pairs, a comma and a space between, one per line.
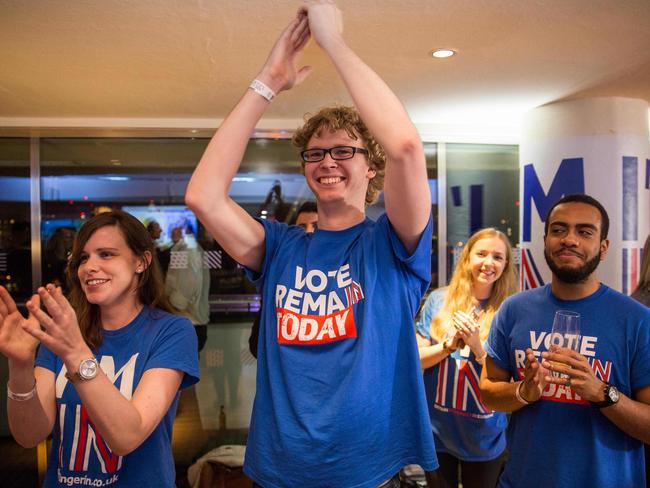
530, 275
632, 258
354, 293
464, 397
86, 439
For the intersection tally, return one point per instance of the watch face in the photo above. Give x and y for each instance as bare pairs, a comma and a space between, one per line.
612, 393
88, 369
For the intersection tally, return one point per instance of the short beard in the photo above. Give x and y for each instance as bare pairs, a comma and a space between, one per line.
573, 275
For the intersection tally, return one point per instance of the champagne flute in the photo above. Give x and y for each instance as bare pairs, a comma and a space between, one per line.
565, 333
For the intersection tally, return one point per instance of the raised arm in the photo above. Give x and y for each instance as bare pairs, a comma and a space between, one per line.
406, 189
241, 236
123, 423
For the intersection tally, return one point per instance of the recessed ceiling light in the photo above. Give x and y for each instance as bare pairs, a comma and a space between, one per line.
442, 53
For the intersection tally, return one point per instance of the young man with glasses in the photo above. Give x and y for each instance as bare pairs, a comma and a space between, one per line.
340, 400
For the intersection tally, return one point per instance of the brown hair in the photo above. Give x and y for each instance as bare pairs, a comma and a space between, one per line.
151, 291
459, 294
349, 120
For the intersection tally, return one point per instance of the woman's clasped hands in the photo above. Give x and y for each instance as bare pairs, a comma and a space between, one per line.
468, 329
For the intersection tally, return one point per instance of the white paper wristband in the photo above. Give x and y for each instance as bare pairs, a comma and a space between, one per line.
261, 89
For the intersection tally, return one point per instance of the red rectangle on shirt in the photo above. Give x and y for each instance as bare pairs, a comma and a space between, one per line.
294, 328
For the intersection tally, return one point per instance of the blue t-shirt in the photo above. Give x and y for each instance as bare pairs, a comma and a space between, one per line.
340, 400
79, 456
561, 440
462, 425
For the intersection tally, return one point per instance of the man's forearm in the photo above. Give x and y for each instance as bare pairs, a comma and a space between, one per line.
631, 416
500, 395
213, 176
379, 107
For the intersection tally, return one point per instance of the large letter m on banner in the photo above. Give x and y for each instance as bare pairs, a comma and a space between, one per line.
568, 179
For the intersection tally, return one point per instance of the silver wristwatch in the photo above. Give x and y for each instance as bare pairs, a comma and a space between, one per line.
88, 369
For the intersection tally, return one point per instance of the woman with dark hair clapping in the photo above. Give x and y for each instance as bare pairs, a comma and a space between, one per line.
112, 360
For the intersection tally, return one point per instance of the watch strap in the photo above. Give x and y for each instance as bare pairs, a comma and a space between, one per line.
76, 376
73, 377
607, 402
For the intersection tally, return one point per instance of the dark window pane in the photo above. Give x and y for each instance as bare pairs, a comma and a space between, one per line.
15, 234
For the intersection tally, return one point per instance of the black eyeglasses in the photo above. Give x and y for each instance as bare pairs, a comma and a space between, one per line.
337, 153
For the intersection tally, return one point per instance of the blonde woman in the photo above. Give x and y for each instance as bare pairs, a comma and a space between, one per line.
454, 324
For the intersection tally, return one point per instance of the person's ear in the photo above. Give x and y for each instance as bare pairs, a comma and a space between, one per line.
604, 247
144, 262
371, 173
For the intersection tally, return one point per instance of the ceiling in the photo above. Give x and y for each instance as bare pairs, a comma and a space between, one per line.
148, 66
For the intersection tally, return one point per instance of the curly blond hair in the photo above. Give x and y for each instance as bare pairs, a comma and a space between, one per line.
347, 119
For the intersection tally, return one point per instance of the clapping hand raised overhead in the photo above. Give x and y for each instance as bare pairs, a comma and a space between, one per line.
325, 21
280, 72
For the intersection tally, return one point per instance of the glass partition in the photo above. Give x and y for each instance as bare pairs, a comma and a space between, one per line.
18, 465
15, 233
147, 177
482, 191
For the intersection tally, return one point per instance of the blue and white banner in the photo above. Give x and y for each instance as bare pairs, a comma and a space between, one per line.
558, 156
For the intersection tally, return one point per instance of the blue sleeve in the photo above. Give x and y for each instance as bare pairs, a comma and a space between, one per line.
45, 358
415, 267
177, 348
497, 346
640, 367
419, 262
431, 308
273, 235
